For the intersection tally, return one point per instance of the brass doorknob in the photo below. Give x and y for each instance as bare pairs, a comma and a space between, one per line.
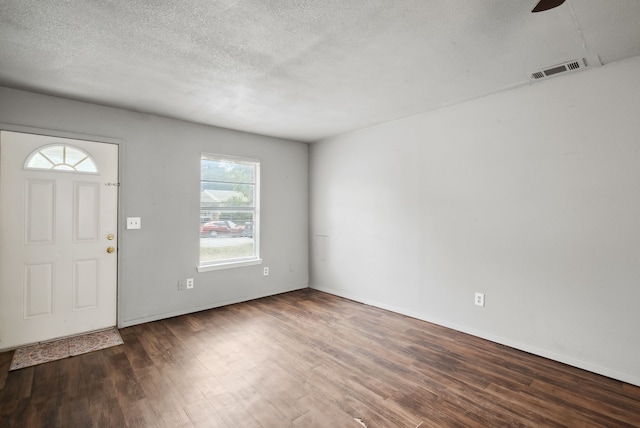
110, 250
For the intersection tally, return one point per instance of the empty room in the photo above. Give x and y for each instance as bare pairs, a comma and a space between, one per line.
224, 213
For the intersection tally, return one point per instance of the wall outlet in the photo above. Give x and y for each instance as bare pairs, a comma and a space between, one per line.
265, 271
134, 223
181, 285
189, 283
479, 299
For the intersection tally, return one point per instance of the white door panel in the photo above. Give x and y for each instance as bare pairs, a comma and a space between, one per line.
56, 276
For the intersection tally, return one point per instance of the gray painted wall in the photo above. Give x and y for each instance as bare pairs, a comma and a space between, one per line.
531, 196
160, 173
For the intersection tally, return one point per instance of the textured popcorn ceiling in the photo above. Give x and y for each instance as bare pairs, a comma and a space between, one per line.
298, 69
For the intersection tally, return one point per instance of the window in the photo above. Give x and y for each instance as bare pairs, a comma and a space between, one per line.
61, 158
229, 212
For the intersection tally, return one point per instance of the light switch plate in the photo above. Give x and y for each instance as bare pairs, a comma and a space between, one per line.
134, 223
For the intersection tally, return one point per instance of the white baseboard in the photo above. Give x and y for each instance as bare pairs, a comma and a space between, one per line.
585, 365
164, 315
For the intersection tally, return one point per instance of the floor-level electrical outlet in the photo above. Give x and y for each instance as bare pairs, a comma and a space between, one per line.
479, 299
181, 285
189, 283
265, 271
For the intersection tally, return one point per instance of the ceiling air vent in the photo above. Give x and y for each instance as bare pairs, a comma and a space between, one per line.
557, 69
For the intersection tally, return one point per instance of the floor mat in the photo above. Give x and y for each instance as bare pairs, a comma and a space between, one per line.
40, 353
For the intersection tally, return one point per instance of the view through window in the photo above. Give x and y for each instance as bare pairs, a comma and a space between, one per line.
61, 157
229, 218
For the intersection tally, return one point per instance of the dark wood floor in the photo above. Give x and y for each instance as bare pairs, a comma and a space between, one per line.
308, 359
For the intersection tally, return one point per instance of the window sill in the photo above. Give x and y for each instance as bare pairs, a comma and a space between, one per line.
230, 265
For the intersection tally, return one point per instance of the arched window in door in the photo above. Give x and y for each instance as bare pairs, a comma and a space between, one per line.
61, 158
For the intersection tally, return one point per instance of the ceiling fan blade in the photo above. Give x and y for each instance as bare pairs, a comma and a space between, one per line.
546, 5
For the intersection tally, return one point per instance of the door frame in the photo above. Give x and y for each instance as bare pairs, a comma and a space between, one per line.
121, 179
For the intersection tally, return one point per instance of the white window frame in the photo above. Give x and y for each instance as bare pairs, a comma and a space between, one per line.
240, 261
63, 165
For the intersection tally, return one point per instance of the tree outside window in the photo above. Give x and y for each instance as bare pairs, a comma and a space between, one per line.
229, 219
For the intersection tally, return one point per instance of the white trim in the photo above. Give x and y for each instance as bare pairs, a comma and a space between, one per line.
53, 168
229, 265
59, 134
254, 259
217, 156
208, 306
585, 365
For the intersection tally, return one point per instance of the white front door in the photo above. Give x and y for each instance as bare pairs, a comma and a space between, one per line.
58, 237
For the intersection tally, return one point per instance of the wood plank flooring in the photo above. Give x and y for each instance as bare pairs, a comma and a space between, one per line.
308, 359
